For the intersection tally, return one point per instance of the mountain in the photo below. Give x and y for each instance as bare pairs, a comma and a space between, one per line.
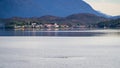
85, 18
37, 8
115, 17
115, 23
49, 17
81, 18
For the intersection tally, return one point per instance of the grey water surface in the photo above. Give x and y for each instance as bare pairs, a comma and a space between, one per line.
60, 49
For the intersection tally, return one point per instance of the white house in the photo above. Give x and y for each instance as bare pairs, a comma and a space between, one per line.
56, 25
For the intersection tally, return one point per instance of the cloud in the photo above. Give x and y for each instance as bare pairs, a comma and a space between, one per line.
108, 1
110, 7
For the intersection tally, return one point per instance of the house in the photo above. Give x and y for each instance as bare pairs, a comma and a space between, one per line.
51, 25
34, 25
39, 26
48, 25
56, 25
64, 26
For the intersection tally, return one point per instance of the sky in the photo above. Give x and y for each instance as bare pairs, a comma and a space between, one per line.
110, 7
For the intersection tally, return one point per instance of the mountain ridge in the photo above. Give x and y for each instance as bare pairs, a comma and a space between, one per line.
81, 18
36, 8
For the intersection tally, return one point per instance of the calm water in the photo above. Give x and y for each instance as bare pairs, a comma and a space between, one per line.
60, 49
59, 32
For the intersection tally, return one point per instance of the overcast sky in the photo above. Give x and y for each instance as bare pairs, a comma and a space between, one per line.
110, 7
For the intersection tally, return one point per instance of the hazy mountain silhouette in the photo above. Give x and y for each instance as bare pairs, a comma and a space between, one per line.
37, 8
81, 18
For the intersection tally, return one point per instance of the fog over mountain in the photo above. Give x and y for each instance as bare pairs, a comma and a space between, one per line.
37, 8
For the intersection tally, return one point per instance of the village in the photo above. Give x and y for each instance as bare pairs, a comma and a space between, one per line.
47, 26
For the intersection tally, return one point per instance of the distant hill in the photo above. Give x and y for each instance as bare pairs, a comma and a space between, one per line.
81, 18
85, 18
115, 23
49, 17
115, 17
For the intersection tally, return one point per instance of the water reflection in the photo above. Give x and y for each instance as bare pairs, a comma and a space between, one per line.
60, 32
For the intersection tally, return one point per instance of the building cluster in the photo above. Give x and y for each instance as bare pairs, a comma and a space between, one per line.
41, 26
47, 25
